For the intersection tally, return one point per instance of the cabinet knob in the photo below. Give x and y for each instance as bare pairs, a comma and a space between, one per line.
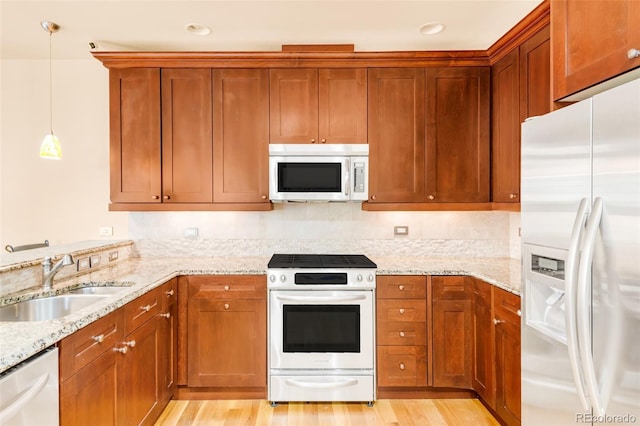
167, 197
497, 321
402, 367
226, 306
633, 53
519, 313
313, 141
155, 197
167, 315
402, 310
402, 334
170, 293
99, 338
401, 287
373, 197
432, 197
130, 343
513, 196
323, 141
121, 350
226, 288
264, 197
146, 308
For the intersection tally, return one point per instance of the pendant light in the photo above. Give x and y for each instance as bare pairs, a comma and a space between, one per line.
50, 147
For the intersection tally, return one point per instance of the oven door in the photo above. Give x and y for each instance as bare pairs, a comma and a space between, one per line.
321, 329
308, 178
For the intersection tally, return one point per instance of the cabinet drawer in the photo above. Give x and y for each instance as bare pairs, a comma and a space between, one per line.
401, 287
402, 366
451, 287
402, 333
228, 287
507, 305
139, 310
89, 342
405, 310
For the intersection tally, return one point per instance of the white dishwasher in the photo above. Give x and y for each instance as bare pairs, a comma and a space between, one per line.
29, 392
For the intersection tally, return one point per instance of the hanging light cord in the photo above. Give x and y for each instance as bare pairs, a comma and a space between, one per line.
50, 87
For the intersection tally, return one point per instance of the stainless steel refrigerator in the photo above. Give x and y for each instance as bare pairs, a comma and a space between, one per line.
580, 213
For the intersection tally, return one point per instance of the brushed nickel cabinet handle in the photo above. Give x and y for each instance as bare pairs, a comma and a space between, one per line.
167, 315
513, 196
402, 310
99, 338
497, 321
313, 141
226, 306
432, 197
401, 287
146, 308
155, 197
169, 293
633, 53
131, 343
264, 197
167, 197
121, 350
323, 141
227, 288
402, 367
402, 334
373, 197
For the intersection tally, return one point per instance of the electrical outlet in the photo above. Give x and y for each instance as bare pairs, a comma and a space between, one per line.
83, 264
113, 256
94, 261
190, 232
401, 230
105, 231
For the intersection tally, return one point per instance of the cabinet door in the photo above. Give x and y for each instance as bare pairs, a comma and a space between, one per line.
396, 106
241, 136
535, 75
483, 342
452, 343
134, 148
342, 105
138, 369
90, 397
293, 106
227, 343
457, 134
590, 41
167, 359
508, 389
505, 137
187, 142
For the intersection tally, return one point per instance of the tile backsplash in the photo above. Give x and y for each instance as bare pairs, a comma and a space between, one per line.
325, 227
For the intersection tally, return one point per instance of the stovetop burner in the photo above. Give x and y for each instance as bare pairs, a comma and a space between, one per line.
333, 261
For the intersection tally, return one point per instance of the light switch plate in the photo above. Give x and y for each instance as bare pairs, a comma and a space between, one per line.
95, 260
113, 256
83, 264
401, 230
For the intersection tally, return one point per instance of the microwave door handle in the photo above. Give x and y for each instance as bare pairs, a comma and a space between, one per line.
346, 178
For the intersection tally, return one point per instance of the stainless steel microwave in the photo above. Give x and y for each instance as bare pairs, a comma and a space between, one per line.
318, 172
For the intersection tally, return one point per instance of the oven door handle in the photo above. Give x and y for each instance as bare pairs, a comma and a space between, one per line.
315, 299
316, 385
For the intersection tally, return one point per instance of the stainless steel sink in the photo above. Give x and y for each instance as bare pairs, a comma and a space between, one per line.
97, 290
47, 308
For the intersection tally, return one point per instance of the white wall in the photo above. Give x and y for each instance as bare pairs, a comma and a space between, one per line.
66, 200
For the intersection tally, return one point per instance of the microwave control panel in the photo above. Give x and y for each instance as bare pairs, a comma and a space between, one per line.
358, 178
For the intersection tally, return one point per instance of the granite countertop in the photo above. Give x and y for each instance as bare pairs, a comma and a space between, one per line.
21, 340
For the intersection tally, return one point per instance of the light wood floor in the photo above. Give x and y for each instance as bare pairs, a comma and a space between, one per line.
388, 412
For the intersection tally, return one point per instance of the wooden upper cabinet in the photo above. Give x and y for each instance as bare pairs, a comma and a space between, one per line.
187, 142
505, 128
535, 75
241, 135
396, 114
134, 150
590, 42
318, 105
457, 134
342, 105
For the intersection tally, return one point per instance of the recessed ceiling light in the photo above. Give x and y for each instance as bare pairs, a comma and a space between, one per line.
431, 28
198, 29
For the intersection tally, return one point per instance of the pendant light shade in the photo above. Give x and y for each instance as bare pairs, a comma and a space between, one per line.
50, 147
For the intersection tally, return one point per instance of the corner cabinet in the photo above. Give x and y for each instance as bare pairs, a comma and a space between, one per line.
310, 105
592, 41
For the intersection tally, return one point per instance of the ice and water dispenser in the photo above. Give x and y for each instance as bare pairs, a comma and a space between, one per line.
544, 272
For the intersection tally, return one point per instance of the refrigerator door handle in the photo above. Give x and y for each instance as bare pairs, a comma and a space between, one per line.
570, 300
584, 306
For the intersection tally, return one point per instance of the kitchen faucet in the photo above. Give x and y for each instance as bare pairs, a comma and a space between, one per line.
50, 271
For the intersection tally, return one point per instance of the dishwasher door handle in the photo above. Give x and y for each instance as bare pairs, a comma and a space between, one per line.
22, 400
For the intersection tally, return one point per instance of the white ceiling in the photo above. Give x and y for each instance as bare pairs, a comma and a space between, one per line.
257, 25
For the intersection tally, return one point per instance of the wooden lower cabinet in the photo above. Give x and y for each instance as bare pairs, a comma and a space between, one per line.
109, 378
452, 340
483, 342
226, 334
